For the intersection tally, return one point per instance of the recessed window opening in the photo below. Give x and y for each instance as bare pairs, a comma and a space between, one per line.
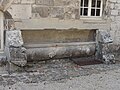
91, 8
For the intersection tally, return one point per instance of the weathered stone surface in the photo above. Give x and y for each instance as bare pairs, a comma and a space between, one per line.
109, 58
57, 12
59, 2
114, 12
41, 74
18, 56
112, 6
4, 2
42, 11
71, 13
28, 1
17, 1
13, 38
77, 14
118, 1
9, 24
105, 41
35, 15
104, 37
60, 52
20, 11
14, 49
113, 1
74, 3
45, 2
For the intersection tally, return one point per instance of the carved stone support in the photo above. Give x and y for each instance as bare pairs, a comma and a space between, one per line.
104, 40
14, 49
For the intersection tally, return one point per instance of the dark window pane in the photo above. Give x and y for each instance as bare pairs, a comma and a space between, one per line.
81, 10
97, 12
93, 3
92, 12
85, 12
81, 2
85, 3
98, 3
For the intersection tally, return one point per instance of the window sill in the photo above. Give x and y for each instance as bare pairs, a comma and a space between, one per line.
93, 20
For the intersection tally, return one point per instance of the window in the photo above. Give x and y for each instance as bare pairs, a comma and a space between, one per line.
91, 8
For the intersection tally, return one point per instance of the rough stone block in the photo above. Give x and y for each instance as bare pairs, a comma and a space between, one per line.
117, 18
112, 6
28, 1
20, 11
42, 11
3, 70
114, 26
118, 12
45, 2
14, 49
118, 1
114, 12
77, 14
109, 58
4, 2
59, 2
104, 37
35, 15
13, 38
74, 3
112, 33
117, 6
112, 18
18, 56
118, 33
57, 12
71, 13
118, 40
17, 1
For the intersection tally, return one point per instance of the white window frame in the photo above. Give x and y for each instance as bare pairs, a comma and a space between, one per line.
90, 7
1, 31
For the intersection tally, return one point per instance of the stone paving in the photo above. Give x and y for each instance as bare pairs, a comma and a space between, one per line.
53, 71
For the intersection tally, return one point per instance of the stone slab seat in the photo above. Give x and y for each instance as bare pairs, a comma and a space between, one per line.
44, 44
60, 50
19, 53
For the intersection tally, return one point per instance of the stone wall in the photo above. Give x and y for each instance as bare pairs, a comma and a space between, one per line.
67, 10
61, 9
115, 18
115, 26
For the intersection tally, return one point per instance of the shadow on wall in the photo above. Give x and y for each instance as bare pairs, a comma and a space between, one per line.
7, 15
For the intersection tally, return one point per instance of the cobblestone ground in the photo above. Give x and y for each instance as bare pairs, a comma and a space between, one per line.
62, 74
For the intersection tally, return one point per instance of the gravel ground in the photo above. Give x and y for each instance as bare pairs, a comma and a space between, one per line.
63, 74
